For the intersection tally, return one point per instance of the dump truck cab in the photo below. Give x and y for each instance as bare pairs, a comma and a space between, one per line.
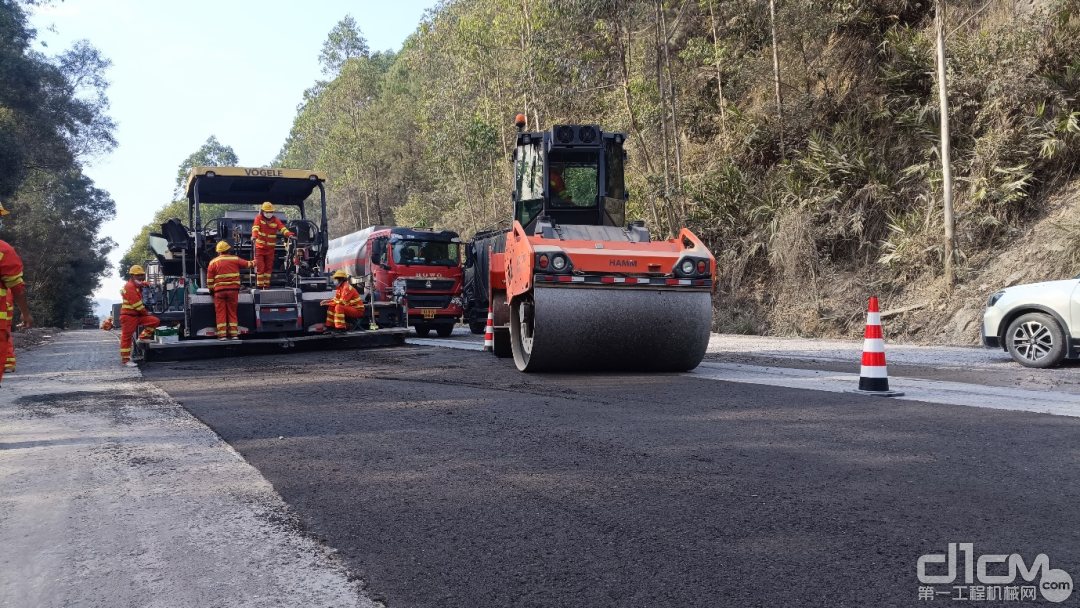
427, 262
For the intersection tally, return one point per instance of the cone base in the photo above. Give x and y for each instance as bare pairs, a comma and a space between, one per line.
884, 393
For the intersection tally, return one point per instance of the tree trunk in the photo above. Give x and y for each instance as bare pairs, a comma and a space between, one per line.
671, 98
663, 103
776, 76
378, 203
946, 155
625, 72
663, 119
719, 72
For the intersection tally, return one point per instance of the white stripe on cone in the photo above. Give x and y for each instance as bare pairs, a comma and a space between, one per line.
873, 371
873, 345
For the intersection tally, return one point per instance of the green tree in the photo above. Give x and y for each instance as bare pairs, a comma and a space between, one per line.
345, 42
52, 117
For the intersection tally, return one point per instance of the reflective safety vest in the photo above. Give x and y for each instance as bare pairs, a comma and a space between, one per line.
131, 295
11, 278
347, 295
264, 232
558, 186
223, 273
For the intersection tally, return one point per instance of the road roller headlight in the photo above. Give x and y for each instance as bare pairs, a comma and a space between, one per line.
558, 263
687, 266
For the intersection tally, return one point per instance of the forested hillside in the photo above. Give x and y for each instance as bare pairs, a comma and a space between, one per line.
52, 119
800, 138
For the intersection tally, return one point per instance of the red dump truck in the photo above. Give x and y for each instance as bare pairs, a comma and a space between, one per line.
427, 263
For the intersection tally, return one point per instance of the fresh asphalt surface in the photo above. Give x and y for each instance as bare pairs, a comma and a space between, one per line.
447, 478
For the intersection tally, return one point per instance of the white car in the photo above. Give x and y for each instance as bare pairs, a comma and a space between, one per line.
1038, 324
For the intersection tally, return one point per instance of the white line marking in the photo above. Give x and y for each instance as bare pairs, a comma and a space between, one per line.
930, 391
446, 343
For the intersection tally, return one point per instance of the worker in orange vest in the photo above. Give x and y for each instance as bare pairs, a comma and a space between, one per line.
264, 233
558, 186
223, 279
107, 325
133, 314
345, 305
11, 286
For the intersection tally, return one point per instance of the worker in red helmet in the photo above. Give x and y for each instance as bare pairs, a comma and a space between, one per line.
12, 290
264, 233
223, 279
346, 305
133, 314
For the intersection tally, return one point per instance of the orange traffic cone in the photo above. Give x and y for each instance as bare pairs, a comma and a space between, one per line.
489, 332
874, 378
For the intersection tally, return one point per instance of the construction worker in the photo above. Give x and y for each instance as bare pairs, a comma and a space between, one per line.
107, 325
11, 286
223, 279
264, 233
346, 304
9, 362
558, 186
133, 314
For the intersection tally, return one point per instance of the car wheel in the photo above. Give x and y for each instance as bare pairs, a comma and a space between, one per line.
1035, 340
422, 331
444, 330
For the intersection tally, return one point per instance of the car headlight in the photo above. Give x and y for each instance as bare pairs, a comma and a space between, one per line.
994, 298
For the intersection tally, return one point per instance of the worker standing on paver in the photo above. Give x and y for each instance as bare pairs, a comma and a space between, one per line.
264, 233
12, 290
346, 305
133, 314
223, 279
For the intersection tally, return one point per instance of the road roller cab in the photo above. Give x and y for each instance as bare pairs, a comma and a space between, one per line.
571, 284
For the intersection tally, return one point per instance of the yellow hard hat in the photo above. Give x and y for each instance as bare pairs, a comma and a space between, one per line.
268, 206
2, 210
222, 246
136, 269
340, 275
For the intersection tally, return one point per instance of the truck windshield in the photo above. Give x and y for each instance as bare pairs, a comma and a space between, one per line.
428, 253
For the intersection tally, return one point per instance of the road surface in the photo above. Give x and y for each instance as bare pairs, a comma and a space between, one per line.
446, 478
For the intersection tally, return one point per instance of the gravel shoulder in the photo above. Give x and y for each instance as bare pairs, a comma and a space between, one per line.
111, 494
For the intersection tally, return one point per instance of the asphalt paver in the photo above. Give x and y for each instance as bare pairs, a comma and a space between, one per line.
448, 478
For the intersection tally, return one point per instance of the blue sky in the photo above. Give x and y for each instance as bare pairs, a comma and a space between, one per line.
236, 69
